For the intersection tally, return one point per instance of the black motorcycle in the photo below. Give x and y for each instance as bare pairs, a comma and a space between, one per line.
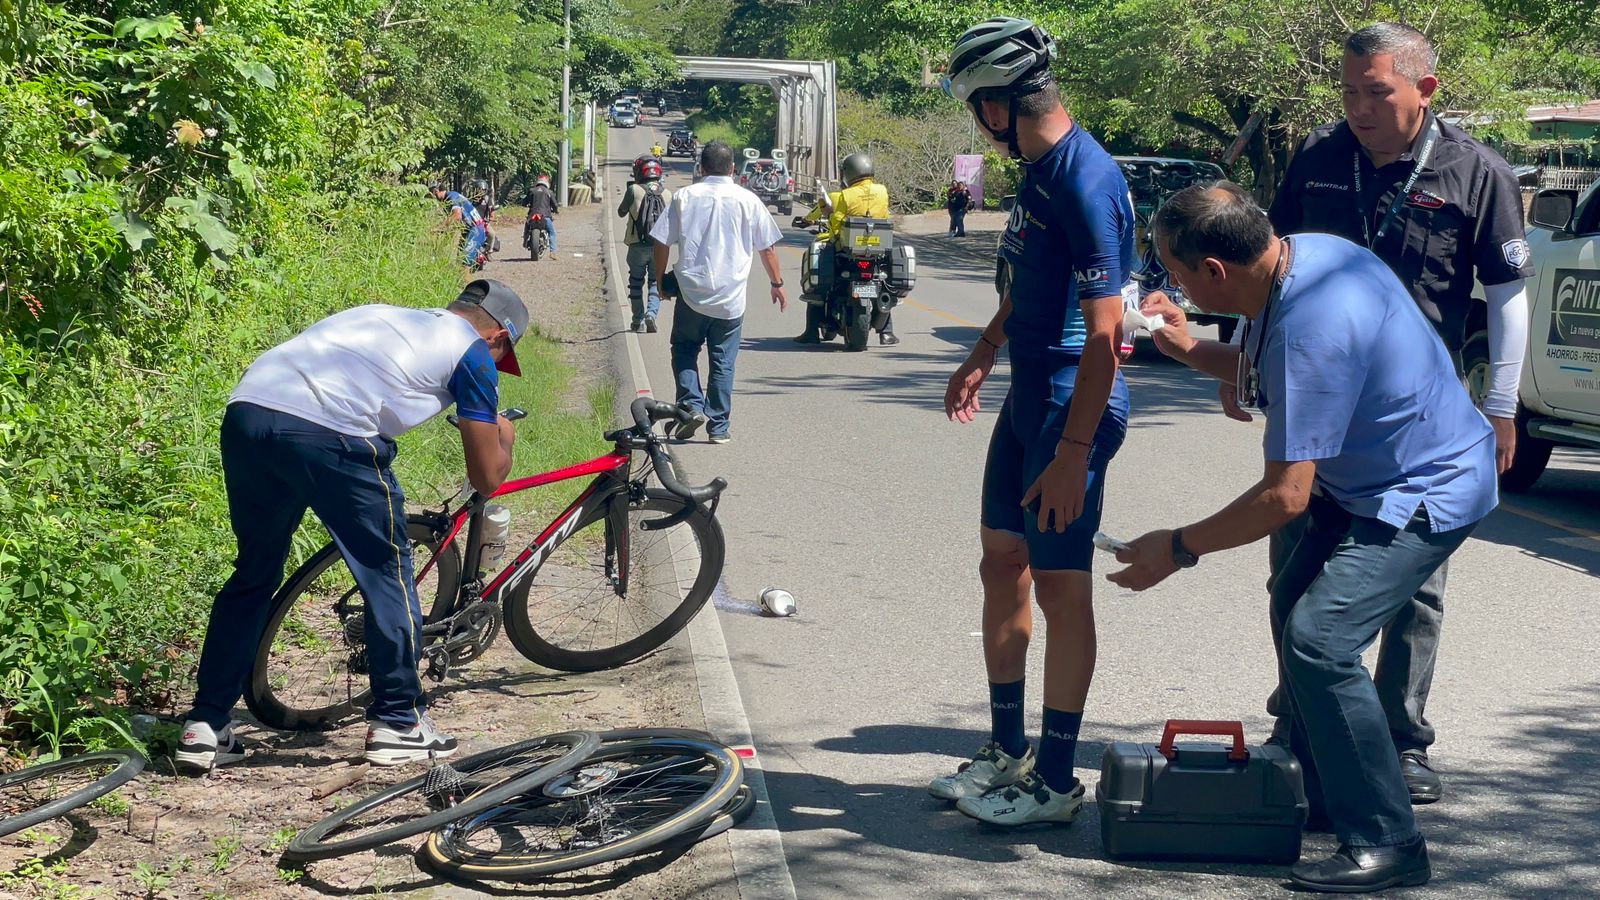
868, 276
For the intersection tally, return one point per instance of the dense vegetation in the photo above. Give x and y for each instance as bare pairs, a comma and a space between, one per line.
1173, 76
183, 184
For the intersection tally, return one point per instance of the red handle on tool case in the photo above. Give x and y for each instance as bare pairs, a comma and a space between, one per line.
1176, 727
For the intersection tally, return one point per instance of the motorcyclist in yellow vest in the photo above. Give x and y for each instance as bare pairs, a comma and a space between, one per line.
861, 196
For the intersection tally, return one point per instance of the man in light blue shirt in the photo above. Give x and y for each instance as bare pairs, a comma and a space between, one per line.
1368, 428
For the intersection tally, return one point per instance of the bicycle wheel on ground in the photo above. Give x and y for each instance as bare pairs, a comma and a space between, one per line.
41, 792
444, 793
613, 591
626, 799
310, 670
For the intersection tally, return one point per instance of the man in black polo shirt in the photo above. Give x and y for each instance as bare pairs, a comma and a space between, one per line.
1440, 209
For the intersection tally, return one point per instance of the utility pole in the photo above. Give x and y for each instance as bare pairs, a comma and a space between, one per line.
565, 169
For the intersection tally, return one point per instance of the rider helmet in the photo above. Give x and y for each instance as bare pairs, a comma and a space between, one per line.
855, 167
1003, 54
646, 168
544, 180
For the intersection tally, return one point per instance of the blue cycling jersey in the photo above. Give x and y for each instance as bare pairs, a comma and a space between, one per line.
1070, 238
475, 385
469, 212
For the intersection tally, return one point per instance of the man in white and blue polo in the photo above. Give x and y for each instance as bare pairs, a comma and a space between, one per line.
312, 425
1363, 403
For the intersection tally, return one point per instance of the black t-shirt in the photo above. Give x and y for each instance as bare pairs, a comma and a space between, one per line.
1461, 220
541, 200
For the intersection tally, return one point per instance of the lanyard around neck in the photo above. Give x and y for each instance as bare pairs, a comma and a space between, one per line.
1399, 200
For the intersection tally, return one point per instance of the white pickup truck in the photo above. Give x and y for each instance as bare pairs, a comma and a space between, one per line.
1561, 374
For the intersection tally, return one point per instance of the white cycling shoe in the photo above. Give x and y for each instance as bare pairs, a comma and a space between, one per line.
990, 768
1028, 801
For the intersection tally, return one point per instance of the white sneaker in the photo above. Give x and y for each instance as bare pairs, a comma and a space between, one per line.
1029, 800
990, 768
203, 748
388, 746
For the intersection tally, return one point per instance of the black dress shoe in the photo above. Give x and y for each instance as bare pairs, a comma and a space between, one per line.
1359, 870
1421, 780
809, 337
888, 338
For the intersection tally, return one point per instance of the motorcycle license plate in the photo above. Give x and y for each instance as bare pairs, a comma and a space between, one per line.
867, 291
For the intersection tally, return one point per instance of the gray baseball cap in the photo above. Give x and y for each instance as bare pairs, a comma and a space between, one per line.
507, 308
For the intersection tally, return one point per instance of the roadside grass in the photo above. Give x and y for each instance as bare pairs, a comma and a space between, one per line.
118, 534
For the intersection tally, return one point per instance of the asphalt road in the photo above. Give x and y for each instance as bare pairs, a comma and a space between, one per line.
851, 490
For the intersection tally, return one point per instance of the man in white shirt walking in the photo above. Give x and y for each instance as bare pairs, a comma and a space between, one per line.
718, 228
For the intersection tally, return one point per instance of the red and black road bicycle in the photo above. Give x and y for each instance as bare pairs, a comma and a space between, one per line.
613, 577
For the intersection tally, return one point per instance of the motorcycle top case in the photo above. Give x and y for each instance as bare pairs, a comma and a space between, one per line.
1201, 801
864, 236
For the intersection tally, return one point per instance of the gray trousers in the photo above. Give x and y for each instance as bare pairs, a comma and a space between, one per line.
1407, 650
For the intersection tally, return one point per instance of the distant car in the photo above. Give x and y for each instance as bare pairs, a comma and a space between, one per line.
682, 142
625, 118
1151, 180
769, 179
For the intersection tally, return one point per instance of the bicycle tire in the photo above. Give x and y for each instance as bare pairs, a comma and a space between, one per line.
272, 707
540, 644
447, 849
314, 843
127, 765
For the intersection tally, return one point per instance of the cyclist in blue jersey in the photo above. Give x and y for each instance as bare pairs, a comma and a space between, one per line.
1069, 247
462, 210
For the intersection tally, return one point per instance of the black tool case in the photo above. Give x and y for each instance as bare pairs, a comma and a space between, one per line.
1201, 801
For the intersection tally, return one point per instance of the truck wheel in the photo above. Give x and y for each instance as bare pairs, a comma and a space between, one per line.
1533, 453
786, 209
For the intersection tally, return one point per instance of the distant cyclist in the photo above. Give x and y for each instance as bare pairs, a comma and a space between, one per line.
466, 212
1070, 249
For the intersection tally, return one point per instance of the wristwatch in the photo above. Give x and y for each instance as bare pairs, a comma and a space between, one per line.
777, 284
1182, 558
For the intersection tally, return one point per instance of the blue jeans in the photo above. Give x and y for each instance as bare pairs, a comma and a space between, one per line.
275, 466
476, 235
720, 337
1345, 580
550, 229
642, 282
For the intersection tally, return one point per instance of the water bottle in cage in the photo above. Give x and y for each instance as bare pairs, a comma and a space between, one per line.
496, 531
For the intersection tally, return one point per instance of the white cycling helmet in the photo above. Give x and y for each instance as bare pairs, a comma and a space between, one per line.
1005, 53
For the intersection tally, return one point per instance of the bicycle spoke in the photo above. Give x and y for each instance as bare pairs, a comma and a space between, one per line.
318, 657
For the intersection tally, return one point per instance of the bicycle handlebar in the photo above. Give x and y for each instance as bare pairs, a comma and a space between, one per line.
646, 413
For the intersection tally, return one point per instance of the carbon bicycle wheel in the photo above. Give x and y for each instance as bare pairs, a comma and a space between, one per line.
38, 793
626, 799
435, 798
310, 671
611, 591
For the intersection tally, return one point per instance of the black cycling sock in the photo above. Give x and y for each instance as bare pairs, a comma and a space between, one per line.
1005, 717
1058, 744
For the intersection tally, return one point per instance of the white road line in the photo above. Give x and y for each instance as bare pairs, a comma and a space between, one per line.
759, 863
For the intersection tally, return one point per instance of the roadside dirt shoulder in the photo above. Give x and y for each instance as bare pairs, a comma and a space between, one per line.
168, 836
